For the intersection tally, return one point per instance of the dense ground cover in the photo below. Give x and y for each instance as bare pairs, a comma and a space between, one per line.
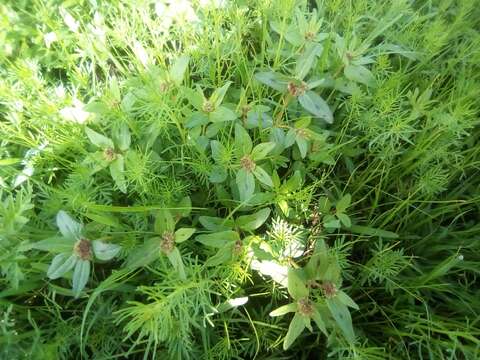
237, 180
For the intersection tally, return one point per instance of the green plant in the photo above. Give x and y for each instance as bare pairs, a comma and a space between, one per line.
312, 160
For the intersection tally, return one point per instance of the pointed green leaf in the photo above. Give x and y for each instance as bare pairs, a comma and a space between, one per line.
219, 94
57, 244
276, 81
215, 223
296, 285
176, 260
307, 60
343, 203
218, 174
243, 142
342, 317
98, 139
359, 74
67, 226
253, 221
314, 104
117, 171
285, 309
177, 71
144, 254
246, 184
122, 137
183, 234
345, 220
104, 251
302, 144
223, 256
260, 151
164, 221
294, 330
263, 176
347, 300
218, 239
80, 276
222, 114
195, 97
61, 264
319, 321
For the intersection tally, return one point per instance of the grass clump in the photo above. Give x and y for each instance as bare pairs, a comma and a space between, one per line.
245, 179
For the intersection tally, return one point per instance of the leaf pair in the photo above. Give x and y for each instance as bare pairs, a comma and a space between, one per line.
227, 240
249, 169
208, 110
77, 252
310, 100
112, 153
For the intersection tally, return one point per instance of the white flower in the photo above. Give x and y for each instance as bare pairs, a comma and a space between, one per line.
141, 53
75, 113
50, 38
69, 20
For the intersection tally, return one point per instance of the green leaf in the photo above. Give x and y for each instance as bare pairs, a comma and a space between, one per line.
293, 183
144, 254
243, 142
55, 244
80, 276
330, 222
222, 114
285, 309
343, 203
324, 205
67, 226
61, 264
177, 71
98, 139
303, 123
195, 97
246, 184
253, 221
307, 60
117, 169
369, 231
183, 234
176, 260
345, 220
263, 176
260, 151
359, 73
347, 300
296, 286
182, 208
104, 251
223, 256
215, 223
218, 174
122, 137
219, 94
218, 239
276, 81
197, 118
294, 330
164, 221
342, 317
290, 138
302, 144
314, 104
319, 321
218, 150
